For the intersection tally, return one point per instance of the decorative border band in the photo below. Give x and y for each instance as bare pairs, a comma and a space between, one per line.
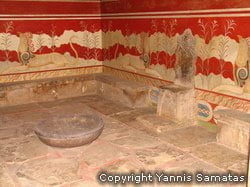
10, 78
235, 12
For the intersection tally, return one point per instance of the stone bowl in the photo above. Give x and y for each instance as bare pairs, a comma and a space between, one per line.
69, 131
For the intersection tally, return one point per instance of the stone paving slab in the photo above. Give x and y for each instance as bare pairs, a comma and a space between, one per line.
21, 130
190, 164
109, 134
159, 124
136, 139
76, 108
154, 157
239, 167
84, 183
219, 155
19, 108
59, 102
88, 99
189, 137
113, 129
22, 181
19, 150
5, 178
132, 115
125, 165
19, 118
139, 126
10, 121
100, 153
8, 133
49, 171
108, 107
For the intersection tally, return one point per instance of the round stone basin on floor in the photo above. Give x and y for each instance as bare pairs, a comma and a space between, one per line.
70, 131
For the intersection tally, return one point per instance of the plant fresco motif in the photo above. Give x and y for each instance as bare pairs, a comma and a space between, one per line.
40, 42
91, 41
27, 51
221, 48
6, 40
53, 38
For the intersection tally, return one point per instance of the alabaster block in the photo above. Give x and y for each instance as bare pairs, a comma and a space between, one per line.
234, 129
19, 96
90, 87
177, 103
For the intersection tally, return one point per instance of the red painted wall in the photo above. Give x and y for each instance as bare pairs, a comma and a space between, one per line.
116, 6
43, 7
49, 20
41, 17
170, 5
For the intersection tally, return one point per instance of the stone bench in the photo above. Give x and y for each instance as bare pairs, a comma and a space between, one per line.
25, 92
234, 129
130, 93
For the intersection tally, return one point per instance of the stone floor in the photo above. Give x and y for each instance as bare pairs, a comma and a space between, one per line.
133, 140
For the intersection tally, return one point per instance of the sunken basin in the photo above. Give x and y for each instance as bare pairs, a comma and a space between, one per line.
69, 131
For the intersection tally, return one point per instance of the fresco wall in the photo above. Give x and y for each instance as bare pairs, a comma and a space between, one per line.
147, 41
49, 40
148, 44
47, 7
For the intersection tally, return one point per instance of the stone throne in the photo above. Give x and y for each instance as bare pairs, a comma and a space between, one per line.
177, 101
